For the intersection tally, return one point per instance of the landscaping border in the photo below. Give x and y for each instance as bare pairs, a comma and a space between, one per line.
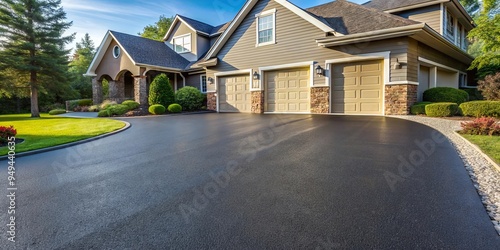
66, 145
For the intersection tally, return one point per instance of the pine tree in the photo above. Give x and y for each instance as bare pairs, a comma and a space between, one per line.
82, 58
33, 43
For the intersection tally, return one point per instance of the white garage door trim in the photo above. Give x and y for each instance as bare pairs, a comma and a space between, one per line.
229, 73
386, 56
309, 64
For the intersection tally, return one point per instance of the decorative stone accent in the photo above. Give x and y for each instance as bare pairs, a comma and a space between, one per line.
140, 91
320, 100
117, 90
96, 90
258, 102
212, 101
400, 98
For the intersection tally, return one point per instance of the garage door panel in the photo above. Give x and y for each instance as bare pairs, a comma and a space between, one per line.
358, 89
292, 93
234, 95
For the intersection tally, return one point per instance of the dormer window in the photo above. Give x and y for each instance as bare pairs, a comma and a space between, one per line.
266, 27
182, 44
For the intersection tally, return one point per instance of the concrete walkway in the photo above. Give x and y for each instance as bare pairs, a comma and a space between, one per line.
80, 114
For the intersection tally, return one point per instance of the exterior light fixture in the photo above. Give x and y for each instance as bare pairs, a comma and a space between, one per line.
210, 80
320, 71
255, 75
397, 65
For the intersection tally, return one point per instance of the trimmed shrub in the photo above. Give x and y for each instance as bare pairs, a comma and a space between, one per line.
117, 109
419, 108
107, 103
94, 108
57, 112
161, 92
190, 98
481, 126
104, 113
6, 132
480, 108
157, 109
72, 105
175, 108
490, 87
85, 102
131, 104
441, 109
474, 94
446, 94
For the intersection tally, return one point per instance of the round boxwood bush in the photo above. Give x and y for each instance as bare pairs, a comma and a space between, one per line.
480, 108
157, 109
118, 109
190, 98
442, 109
446, 94
104, 113
161, 92
175, 108
57, 112
419, 108
131, 104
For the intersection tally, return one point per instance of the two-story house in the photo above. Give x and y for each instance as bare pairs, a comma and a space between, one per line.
275, 57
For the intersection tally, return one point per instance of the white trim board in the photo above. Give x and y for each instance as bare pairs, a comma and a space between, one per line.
421, 59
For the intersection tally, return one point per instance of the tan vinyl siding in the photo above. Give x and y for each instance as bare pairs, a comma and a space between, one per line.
438, 57
112, 66
193, 80
295, 43
412, 63
430, 15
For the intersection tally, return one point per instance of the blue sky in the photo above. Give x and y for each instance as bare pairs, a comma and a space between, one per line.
128, 16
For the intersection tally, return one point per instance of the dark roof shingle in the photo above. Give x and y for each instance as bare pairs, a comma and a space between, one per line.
150, 52
350, 18
204, 27
393, 4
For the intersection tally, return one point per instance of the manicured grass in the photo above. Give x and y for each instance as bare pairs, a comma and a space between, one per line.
50, 131
490, 145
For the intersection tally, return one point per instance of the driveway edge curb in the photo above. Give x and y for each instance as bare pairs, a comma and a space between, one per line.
67, 145
475, 147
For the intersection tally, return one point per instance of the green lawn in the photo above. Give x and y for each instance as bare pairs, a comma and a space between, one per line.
50, 131
490, 145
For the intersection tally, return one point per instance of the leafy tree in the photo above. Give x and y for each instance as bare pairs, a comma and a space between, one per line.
33, 43
161, 92
158, 30
84, 54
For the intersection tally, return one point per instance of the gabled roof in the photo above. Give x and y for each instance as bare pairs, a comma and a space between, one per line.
248, 6
396, 4
197, 26
350, 18
141, 51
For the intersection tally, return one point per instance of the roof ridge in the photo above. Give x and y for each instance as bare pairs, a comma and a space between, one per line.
181, 16
137, 36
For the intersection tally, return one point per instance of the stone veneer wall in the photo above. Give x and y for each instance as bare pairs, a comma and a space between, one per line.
320, 100
258, 102
400, 98
212, 101
140, 91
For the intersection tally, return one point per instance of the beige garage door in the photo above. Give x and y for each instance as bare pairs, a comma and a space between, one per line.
288, 90
357, 88
234, 94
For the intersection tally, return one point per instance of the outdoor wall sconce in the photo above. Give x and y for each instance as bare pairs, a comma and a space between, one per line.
210, 80
255, 75
397, 65
320, 71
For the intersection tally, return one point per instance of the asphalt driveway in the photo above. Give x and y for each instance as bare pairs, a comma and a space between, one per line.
235, 181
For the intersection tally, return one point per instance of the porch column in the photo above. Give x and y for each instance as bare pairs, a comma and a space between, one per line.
113, 91
120, 88
140, 90
96, 91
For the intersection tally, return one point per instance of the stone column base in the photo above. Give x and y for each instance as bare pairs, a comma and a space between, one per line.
320, 100
97, 97
257, 102
400, 98
140, 91
212, 101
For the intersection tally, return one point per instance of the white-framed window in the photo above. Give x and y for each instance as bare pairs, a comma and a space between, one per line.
266, 27
460, 38
182, 44
203, 83
450, 25
465, 42
462, 80
116, 51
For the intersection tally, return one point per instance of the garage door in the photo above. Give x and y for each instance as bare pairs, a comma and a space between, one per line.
288, 90
357, 88
234, 94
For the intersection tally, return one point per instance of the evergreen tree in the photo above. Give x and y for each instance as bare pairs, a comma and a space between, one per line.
158, 30
84, 54
33, 43
161, 92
